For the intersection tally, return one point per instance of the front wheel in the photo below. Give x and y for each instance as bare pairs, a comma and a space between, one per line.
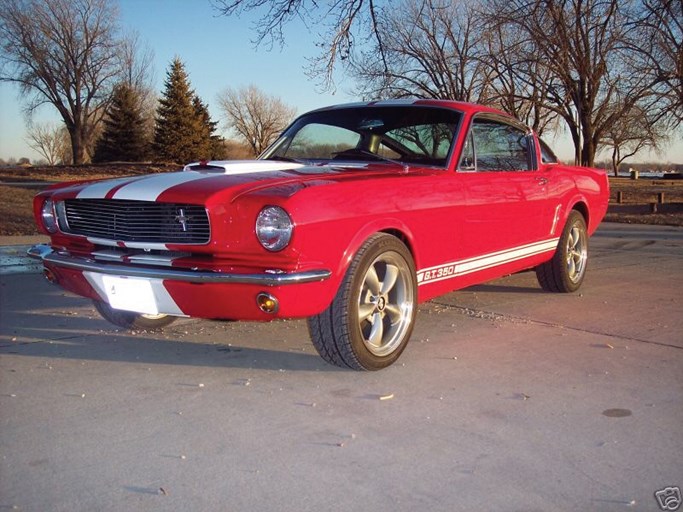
371, 318
565, 272
130, 320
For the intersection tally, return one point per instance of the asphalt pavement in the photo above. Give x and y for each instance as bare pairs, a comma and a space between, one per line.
506, 399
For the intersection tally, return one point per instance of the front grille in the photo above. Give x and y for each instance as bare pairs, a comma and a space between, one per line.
136, 221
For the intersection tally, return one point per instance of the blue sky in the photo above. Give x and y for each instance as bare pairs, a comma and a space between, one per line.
217, 52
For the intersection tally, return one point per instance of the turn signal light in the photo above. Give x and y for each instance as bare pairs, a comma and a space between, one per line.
267, 303
49, 275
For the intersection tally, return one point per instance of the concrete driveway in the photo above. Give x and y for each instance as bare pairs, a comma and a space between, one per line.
506, 399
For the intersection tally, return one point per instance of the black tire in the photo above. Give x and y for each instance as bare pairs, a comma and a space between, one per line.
565, 272
371, 318
130, 320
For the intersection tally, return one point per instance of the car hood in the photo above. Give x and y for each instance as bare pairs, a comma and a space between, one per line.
201, 183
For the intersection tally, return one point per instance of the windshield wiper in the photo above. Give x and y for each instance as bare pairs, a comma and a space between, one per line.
282, 159
368, 154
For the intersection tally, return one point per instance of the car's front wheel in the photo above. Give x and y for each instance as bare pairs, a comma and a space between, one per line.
130, 320
566, 270
371, 318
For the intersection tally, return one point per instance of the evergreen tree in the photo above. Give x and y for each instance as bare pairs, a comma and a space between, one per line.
123, 137
209, 145
177, 128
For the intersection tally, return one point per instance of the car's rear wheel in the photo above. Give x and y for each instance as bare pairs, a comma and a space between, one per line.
566, 270
130, 320
371, 318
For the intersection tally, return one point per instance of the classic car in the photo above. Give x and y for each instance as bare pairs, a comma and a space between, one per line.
354, 216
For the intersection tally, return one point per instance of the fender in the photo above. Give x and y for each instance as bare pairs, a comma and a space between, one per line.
389, 225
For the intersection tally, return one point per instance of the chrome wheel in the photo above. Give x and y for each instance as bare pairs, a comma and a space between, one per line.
129, 320
368, 324
385, 304
566, 270
577, 253
153, 317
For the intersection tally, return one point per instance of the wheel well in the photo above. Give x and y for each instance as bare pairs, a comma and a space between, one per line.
582, 209
402, 237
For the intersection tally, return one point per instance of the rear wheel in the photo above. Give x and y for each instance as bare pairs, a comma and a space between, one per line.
130, 320
565, 272
371, 318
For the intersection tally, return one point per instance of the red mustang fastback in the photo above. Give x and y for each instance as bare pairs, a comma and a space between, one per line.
355, 215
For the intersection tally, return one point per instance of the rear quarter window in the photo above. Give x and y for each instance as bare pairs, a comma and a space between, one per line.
547, 155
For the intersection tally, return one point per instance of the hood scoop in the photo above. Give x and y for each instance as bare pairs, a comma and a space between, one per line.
232, 167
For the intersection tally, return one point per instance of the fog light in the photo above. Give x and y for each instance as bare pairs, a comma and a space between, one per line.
267, 303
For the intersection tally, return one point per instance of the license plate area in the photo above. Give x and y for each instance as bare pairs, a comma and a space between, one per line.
130, 294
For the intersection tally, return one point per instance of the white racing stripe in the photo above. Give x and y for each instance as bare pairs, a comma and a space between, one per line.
119, 256
152, 186
247, 166
470, 265
101, 189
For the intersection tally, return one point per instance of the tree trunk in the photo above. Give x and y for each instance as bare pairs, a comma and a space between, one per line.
588, 152
77, 144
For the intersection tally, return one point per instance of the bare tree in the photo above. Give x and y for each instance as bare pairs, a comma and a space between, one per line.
584, 51
518, 85
636, 131
657, 51
431, 50
49, 140
64, 53
256, 117
342, 23
581, 43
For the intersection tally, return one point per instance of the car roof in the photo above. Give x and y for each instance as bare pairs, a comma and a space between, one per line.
462, 106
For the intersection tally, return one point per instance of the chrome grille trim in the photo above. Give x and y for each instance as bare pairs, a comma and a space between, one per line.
137, 221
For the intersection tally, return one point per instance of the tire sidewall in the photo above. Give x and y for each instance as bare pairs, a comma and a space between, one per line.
574, 219
371, 250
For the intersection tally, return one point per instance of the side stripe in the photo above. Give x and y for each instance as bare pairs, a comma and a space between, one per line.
476, 264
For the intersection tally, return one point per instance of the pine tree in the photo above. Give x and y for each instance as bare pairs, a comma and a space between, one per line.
123, 137
209, 145
177, 127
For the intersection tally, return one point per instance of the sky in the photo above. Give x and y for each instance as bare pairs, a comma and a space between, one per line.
217, 52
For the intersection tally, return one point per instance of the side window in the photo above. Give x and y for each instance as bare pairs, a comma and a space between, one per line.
467, 160
426, 140
321, 141
500, 147
547, 155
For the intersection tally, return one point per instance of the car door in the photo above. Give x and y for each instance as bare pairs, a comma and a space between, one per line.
506, 194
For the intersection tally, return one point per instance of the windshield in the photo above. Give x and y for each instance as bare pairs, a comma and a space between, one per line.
404, 134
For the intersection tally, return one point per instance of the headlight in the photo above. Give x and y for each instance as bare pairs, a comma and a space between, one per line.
274, 228
48, 214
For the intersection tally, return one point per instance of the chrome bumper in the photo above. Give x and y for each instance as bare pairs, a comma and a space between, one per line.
65, 260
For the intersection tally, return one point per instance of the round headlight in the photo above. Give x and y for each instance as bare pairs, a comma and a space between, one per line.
274, 228
49, 218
